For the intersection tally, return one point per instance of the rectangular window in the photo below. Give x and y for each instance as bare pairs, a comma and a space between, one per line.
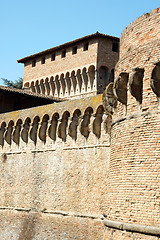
43, 60
74, 50
86, 46
63, 54
33, 63
53, 57
115, 47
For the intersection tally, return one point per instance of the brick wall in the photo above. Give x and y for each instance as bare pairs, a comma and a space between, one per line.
61, 65
54, 190
134, 179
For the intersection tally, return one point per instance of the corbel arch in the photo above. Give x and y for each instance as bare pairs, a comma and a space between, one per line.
16, 133
43, 128
8, 134
91, 74
84, 128
25, 130
120, 88
68, 81
72, 131
34, 129
98, 121
37, 87
33, 87
53, 126
58, 87
52, 84
63, 85
47, 86
2, 131
42, 86
63, 126
79, 78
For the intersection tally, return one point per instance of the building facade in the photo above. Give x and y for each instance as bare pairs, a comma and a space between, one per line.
83, 67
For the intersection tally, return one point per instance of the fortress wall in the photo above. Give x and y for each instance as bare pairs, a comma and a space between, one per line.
134, 180
140, 48
54, 188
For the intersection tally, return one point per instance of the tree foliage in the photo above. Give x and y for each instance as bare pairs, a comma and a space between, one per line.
15, 84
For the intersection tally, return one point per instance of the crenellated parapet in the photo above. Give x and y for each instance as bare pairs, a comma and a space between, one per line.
66, 124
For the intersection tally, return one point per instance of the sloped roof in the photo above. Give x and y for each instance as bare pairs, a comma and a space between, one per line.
28, 93
76, 41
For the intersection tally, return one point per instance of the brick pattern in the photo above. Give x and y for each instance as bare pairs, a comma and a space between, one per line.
134, 180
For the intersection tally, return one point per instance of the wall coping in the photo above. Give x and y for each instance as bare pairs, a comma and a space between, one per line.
50, 109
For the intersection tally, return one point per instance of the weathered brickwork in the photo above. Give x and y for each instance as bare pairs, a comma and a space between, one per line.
66, 180
140, 48
89, 168
134, 180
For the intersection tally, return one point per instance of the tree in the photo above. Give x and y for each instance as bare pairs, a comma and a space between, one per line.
17, 84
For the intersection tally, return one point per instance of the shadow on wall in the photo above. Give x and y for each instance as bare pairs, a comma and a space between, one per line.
28, 227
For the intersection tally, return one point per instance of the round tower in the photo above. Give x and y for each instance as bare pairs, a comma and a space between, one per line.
134, 176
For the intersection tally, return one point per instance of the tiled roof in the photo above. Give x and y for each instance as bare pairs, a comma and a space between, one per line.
91, 36
28, 93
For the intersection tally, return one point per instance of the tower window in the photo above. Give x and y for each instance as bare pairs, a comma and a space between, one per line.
43, 60
115, 47
74, 50
85, 47
53, 57
63, 54
33, 63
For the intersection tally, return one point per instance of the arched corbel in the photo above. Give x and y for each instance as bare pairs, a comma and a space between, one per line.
84, 128
43, 128
72, 131
2, 131
34, 129
63, 126
8, 133
136, 84
53, 127
120, 88
98, 121
108, 99
155, 79
16, 133
25, 130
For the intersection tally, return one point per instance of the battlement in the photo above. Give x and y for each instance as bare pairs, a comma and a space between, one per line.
59, 124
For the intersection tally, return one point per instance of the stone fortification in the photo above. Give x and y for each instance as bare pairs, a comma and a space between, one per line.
54, 167
134, 179
82, 170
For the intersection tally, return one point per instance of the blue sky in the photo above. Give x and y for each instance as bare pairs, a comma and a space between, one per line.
31, 26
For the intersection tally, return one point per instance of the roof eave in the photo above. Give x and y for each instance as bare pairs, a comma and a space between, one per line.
50, 50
